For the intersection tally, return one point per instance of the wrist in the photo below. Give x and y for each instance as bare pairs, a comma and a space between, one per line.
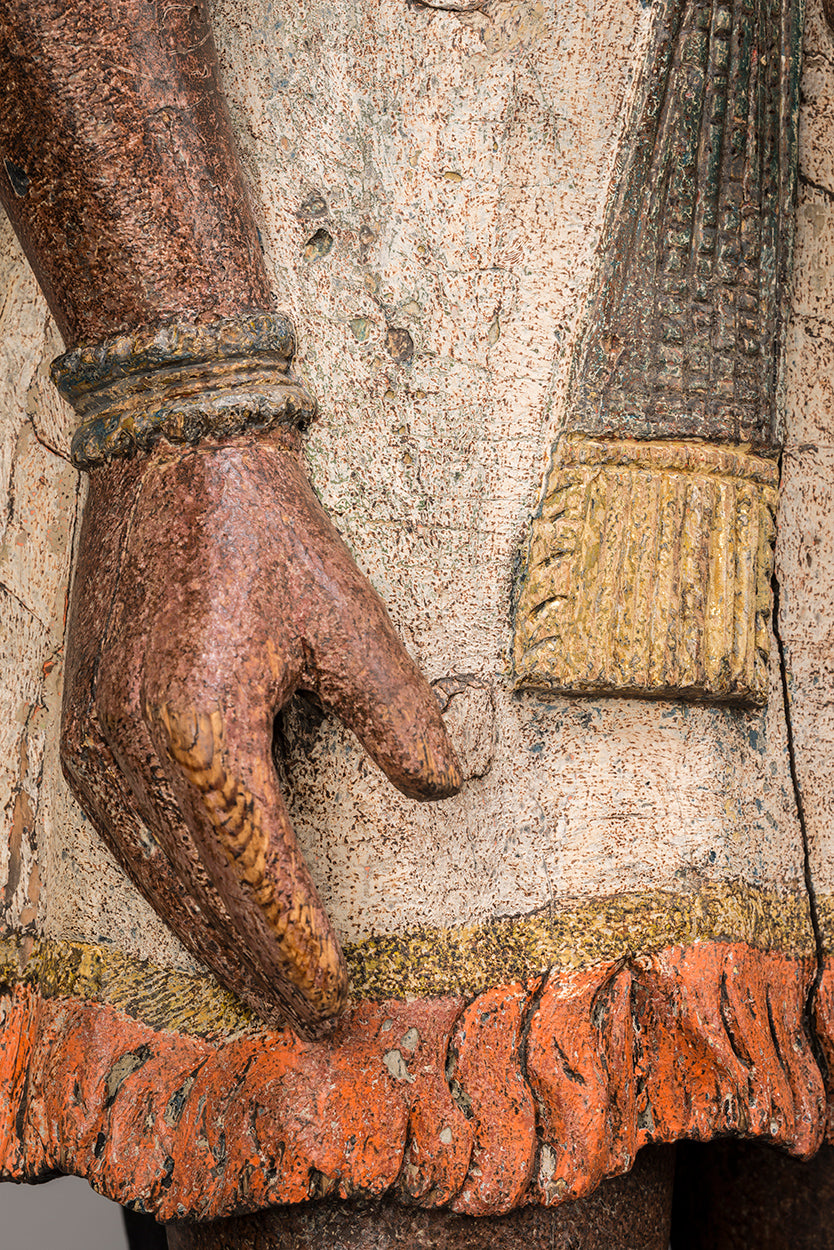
187, 384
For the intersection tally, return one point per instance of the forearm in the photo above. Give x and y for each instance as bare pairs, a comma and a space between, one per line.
208, 587
119, 170
121, 179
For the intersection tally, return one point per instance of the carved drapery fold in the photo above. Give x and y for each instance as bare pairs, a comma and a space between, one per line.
541, 1036
533, 1090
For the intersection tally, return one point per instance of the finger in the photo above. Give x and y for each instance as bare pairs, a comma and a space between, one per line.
377, 691
219, 766
359, 667
247, 908
154, 636
159, 867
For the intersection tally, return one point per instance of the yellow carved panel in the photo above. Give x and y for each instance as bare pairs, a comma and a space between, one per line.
648, 573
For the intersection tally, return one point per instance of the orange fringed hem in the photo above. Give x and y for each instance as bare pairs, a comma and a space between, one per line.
531, 1092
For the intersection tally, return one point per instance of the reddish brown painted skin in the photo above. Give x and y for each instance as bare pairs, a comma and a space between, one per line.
525, 1095
117, 165
209, 582
120, 177
212, 580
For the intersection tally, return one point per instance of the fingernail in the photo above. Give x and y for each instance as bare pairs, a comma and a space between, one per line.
436, 773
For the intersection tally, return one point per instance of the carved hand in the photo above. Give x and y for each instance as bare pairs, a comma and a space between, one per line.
210, 585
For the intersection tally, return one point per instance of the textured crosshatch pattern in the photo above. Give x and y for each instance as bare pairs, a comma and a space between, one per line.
663, 585
685, 332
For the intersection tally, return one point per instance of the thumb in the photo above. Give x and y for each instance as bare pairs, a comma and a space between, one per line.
220, 768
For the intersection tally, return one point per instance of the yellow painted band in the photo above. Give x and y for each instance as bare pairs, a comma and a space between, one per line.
431, 962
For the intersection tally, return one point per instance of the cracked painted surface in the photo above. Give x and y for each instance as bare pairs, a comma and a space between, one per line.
805, 552
430, 188
429, 466
529, 1092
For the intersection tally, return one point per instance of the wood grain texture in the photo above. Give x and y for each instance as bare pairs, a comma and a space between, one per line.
441, 180
119, 169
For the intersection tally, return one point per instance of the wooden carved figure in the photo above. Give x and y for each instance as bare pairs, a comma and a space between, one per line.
250, 986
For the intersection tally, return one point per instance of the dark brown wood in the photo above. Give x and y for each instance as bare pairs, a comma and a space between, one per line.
117, 165
143, 1233
746, 1196
687, 319
631, 1212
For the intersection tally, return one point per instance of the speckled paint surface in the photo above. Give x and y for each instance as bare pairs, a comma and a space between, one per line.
429, 188
806, 556
429, 465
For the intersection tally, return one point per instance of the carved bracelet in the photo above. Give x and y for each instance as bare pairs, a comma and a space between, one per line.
184, 383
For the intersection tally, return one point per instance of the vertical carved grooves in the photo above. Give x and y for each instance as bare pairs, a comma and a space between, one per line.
655, 580
684, 329
230, 807
648, 572
310, 957
549, 1086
